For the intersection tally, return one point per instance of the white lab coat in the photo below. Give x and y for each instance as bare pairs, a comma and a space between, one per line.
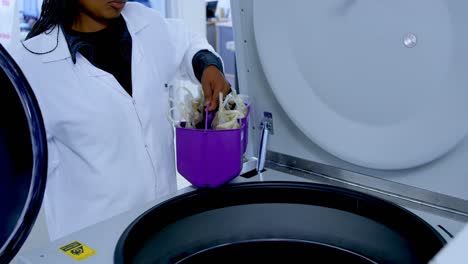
108, 152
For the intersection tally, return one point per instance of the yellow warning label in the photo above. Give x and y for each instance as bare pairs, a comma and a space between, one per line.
77, 250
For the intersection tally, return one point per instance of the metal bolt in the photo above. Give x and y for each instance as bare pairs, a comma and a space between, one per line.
410, 40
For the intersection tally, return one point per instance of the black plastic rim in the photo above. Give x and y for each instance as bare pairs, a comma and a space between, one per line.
39, 150
393, 216
274, 251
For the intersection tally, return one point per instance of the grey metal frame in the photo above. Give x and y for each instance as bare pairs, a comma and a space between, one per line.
400, 194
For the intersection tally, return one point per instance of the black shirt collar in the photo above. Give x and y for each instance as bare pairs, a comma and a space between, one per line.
88, 43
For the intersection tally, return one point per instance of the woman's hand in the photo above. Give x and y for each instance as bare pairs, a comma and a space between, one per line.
214, 82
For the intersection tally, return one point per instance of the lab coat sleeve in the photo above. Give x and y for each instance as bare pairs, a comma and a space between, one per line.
187, 44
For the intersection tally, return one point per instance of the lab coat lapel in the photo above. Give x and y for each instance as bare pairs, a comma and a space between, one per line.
134, 27
53, 45
55, 48
55, 42
89, 68
100, 76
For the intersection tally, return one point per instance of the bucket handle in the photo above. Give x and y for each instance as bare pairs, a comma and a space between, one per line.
170, 118
206, 115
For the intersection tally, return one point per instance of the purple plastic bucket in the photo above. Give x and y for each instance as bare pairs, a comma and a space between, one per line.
210, 158
244, 124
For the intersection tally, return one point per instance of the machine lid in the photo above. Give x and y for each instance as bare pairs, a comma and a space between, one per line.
381, 84
23, 158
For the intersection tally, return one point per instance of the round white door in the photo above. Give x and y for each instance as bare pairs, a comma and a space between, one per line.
381, 84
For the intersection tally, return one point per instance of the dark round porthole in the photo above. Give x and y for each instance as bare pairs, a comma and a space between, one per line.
277, 222
23, 158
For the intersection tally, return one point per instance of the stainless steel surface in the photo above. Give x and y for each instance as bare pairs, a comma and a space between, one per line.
268, 120
447, 226
404, 195
249, 165
262, 151
104, 236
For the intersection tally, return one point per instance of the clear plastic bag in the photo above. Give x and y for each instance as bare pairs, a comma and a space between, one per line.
192, 111
236, 102
231, 110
